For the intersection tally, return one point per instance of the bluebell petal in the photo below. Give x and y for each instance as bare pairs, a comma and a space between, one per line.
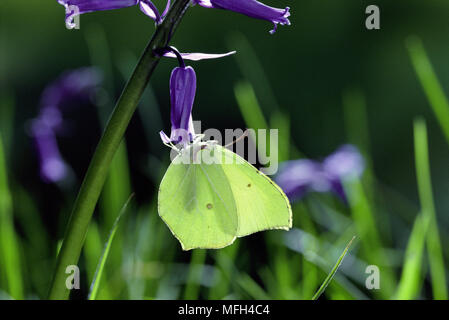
165, 139
51, 117
150, 10
182, 96
338, 189
52, 167
71, 89
296, 177
167, 7
251, 8
346, 163
77, 7
199, 56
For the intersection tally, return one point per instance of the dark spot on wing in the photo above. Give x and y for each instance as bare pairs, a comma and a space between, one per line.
249, 185
209, 206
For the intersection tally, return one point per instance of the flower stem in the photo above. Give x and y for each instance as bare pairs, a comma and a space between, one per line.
109, 142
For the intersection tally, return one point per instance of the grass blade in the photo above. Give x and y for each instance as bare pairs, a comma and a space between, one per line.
240, 281
97, 278
430, 83
433, 241
249, 106
195, 273
253, 71
411, 277
93, 248
251, 287
253, 116
221, 289
254, 74
9, 243
333, 272
372, 246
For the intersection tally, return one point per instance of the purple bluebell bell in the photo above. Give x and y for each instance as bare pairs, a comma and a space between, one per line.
251, 8
71, 89
298, 177
76, 7
182, 96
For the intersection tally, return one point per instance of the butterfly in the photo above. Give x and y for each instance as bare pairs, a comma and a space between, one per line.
210, 196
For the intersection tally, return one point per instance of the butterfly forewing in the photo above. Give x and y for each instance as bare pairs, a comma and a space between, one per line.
197, 204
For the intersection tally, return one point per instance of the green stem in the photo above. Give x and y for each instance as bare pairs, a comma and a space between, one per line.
109, 142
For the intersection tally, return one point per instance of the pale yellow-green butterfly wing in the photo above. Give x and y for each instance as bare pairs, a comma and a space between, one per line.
210, 203
197, 204
261, 204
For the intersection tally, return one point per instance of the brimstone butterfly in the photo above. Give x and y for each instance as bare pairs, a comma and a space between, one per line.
209, 196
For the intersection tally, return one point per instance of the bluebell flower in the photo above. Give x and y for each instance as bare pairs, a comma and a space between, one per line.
85, 6
251, 8
71, 89
52, 166
299, 177
182, 95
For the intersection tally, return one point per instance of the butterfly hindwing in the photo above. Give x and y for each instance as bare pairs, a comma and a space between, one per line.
261, 204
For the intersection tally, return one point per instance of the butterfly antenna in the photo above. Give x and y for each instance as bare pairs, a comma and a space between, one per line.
243, 136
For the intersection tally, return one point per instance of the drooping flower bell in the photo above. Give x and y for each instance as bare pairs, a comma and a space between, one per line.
77, 7
71, 89
251, 8
182, 95
298, 177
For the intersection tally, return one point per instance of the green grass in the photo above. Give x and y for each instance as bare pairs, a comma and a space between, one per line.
332, 273
10, 249
411, 280
433, 242
95, 286
195, 274
429, 81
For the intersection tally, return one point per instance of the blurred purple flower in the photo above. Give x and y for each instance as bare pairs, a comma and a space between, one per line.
72, 88
251, 8
84, 6
298, 177
182, 96
52, 167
